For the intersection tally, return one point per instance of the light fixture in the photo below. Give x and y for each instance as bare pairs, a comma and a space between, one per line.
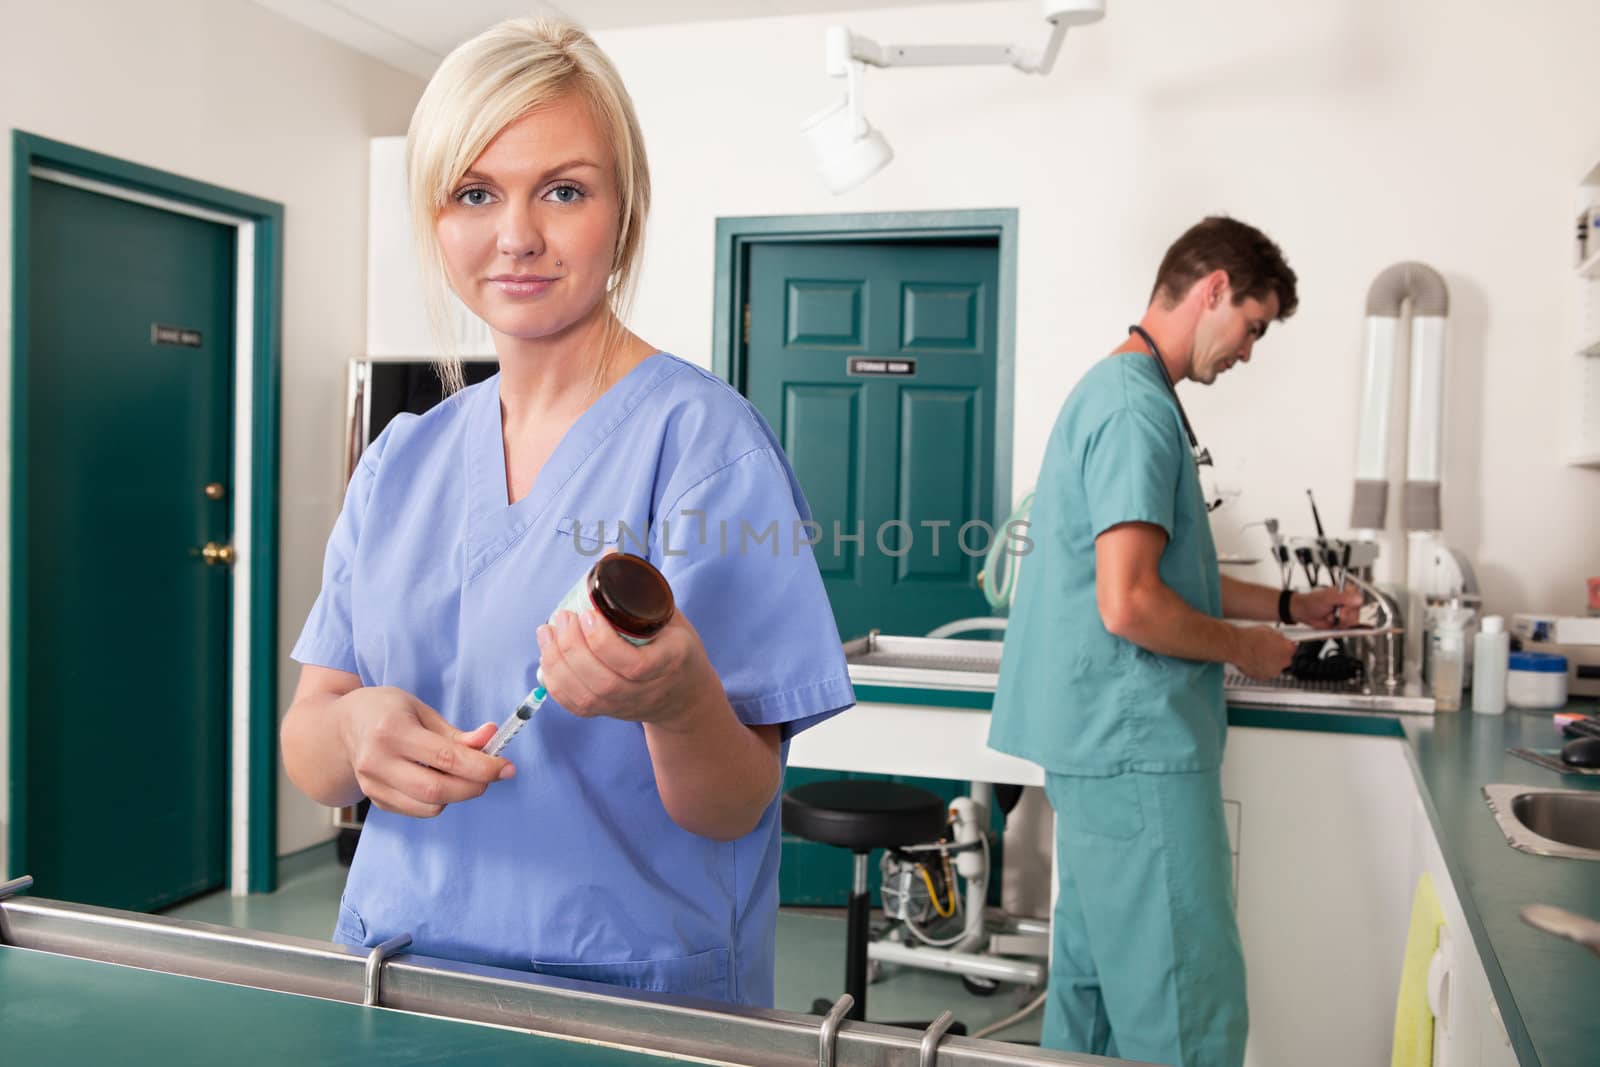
849, 150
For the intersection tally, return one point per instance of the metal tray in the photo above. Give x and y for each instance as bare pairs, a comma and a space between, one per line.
924, 662
974, 666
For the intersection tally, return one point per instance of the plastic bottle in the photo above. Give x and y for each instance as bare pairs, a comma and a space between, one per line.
1449, 656
1490, 650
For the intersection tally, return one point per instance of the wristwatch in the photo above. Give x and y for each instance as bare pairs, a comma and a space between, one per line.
1284, 615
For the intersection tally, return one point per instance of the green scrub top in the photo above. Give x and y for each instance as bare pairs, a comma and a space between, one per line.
1073, 697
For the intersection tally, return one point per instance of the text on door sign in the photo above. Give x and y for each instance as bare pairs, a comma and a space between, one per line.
173, 335
860, 365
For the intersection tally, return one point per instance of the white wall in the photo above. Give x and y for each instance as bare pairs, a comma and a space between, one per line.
1357, 134
225, 92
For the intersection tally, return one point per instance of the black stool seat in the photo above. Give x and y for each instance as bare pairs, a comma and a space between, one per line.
861, 815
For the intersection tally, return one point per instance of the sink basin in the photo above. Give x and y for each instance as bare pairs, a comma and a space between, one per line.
1547, 822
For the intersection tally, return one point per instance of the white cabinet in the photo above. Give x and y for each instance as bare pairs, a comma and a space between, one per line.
397, 312
1330, 836
1582, 368
1468, 1031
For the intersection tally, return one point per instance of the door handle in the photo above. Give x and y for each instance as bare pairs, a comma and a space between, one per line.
217, 555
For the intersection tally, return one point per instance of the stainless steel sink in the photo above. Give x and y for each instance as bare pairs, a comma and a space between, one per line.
1287, 692
1547, 822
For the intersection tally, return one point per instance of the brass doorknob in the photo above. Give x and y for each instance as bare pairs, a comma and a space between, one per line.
217, 555
215, 491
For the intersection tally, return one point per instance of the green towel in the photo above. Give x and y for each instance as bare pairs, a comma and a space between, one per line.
1413, 1021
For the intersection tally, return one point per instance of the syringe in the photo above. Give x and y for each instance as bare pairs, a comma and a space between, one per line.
516, 720
629, 594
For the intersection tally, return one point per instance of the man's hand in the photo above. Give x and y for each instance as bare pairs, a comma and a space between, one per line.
1327, 608
1262, 652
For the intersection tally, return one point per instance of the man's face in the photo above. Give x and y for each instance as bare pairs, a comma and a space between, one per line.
1227, 332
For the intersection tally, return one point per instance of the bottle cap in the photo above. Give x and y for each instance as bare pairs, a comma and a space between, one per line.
1494, 624
633, 596
1538, 662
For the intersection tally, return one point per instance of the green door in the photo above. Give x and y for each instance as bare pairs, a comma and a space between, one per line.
874, 361
875, 364
130, 314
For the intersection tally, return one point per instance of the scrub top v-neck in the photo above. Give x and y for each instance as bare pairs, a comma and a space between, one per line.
435, 584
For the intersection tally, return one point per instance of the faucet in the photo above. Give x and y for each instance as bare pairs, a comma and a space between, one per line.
1383, 655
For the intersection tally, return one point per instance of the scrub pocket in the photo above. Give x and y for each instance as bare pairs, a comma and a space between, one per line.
704, 974
349, 928
1104, 807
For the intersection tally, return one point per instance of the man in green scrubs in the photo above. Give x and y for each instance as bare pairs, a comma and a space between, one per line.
1112, 674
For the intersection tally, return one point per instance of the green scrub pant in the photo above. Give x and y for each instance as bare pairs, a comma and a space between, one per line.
1146, 963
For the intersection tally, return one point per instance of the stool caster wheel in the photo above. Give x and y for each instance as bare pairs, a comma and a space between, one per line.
980, 987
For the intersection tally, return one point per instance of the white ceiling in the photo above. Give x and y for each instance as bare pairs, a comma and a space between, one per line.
413, 35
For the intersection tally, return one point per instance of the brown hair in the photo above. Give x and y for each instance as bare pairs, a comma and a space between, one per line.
1254, 264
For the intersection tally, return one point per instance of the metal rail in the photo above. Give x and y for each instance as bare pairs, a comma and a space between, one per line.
556, 1007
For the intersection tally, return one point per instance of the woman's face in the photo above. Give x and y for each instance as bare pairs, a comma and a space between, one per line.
530, 231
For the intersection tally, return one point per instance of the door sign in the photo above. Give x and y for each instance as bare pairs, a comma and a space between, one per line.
860, 366
173, 335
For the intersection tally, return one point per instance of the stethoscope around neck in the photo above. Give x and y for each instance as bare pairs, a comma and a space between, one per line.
1202, 455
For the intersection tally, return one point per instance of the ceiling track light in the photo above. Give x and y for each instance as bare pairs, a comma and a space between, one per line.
849, 150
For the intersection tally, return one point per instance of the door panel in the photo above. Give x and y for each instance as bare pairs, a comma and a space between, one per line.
824, 313
942, 318
911, 455
828, 456
909, 452
938, 431
126, 627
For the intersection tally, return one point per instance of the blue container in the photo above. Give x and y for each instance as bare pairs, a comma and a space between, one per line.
1538, 662
1536, 681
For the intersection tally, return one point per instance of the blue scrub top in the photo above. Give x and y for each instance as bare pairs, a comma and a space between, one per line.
1073, 697
435, 585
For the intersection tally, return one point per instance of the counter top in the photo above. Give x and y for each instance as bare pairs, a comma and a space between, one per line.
1544, 986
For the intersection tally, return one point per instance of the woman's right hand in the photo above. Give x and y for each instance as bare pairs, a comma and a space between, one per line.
407, 758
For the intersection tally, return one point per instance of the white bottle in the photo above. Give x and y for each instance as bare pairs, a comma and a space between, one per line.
1490, 650
1449, 656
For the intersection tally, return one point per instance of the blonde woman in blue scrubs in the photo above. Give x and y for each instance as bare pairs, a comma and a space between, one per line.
1111, 677
630, 833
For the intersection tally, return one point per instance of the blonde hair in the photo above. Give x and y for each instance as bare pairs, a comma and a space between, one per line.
481, 88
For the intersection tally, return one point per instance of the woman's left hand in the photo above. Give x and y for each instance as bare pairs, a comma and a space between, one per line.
590, 670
